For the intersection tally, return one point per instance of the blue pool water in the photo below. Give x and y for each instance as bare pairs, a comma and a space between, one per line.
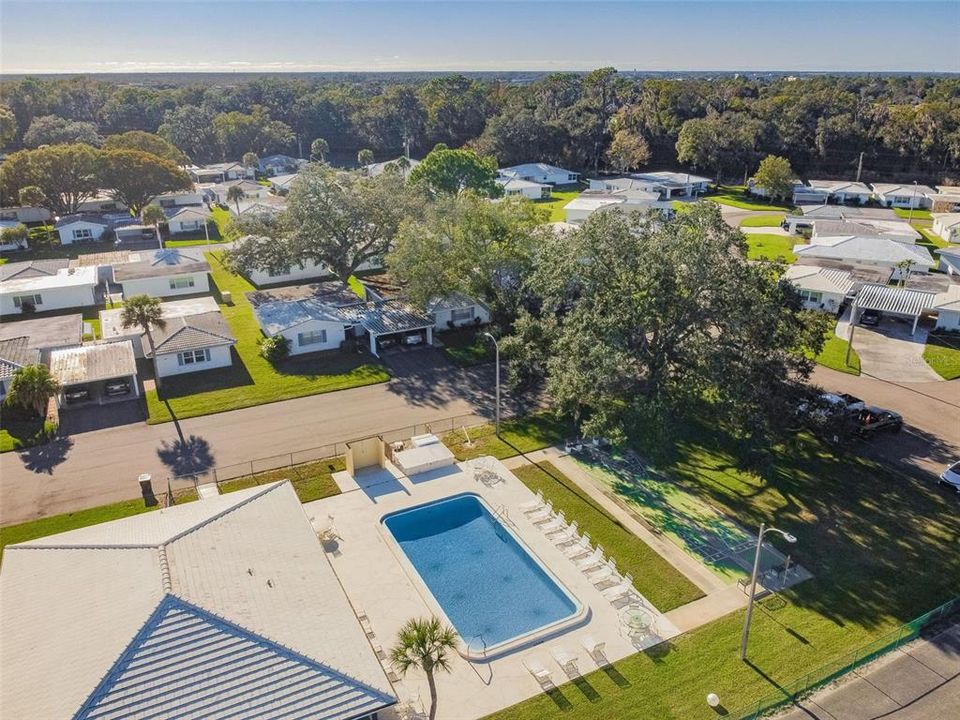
485, 581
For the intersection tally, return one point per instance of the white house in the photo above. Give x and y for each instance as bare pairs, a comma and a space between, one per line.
220, 172
514, 186
309, 325
947, 226
540, 173
15, 354
309, 270
191, 344
41, 292
163, 273
842, 192
946, 199
186, 219
820, 288
902, 196
280, 165
81, 228
671, 185
281, 183
252, 191
590, 201
899, 230
111, 320
867, 251
223, 607
457, 311
179, 198
26, 214
404, 163
947, 305
797, 190
268, 207
102, 202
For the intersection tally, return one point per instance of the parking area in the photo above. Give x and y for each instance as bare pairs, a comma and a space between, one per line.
889, 351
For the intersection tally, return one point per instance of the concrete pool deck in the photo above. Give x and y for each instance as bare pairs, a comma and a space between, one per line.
379, 585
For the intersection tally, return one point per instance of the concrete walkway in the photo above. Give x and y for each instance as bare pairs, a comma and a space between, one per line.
920, 681
889, 351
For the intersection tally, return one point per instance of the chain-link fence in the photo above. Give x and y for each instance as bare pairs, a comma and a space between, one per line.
846, 663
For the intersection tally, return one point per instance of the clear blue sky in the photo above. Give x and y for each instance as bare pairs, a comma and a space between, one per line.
277, 35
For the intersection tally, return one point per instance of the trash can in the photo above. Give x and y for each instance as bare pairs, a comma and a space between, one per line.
227, 297
145, 487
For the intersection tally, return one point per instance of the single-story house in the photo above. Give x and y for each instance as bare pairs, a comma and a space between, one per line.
267, 207
820, 288
947, 305
404, 163
186, 219
797, 190
809, 213
102, 202
220, 172
540, 173
514, 186
672, 185
26, 214
842, 192
223, 607
902, 196
81, 228
867, 251
456, 311
946, 199
31, 290
950, 261
95, 373
10, 246
251, 191
191, 344
388, 322
45, 334
111, 321
163, 273
309, 325
308, 270
280, 165
179, 198
281, 183
590, 201
899, 230
15, 354
947, 226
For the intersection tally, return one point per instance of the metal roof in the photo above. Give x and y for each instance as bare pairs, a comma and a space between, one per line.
159, 263
387, 317
894, 300
89, 363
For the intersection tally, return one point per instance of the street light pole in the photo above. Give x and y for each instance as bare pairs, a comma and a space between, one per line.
753, 583
496, 347
913, 201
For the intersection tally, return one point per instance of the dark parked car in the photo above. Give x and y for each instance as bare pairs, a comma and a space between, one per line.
116, 387
76, 394
872, 420
871, 317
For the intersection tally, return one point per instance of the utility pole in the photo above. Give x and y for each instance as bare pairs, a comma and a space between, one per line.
913, 201
851, 325
859, 166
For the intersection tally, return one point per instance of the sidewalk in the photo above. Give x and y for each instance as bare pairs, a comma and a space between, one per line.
920, 681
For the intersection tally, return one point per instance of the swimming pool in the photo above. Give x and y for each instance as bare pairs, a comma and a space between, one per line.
488, 585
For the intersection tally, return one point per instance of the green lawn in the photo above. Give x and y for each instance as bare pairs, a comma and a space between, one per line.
761, 246
19, 433
876, 564
653, 576
930, 240
252, 380
222, 217
312, 481
942, 353
917, 214
834, 355
558, 198
466, 346
736, 196
33, 529
356, 285
762, 221
522, 435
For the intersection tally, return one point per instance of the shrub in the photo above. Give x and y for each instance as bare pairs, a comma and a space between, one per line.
275, 349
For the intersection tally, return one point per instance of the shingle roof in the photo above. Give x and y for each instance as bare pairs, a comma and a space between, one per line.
46, 332
159, 263
81, 217
864, 249
89, 363
194, 332
32, 268
15, 353
177, 210
279, 315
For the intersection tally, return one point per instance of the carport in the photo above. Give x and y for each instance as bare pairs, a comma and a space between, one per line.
900, 302
95, 373
392, 320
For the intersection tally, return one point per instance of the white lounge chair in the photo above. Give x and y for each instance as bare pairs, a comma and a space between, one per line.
536, 668
567, 661
579, 548
533, 505
620, 591
568, 534
594, 649
542, 515
594, 559
558, 523
605, 573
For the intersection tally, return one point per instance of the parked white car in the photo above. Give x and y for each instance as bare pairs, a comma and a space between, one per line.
951, 476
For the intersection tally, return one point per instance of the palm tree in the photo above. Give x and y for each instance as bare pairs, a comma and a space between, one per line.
146, 313
365, 157
235, 193
32, 387
153, 215
424, 643
319, 149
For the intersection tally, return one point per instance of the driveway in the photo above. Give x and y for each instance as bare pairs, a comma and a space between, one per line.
889, 351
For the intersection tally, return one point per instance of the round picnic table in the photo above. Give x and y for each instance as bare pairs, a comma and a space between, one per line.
635, 619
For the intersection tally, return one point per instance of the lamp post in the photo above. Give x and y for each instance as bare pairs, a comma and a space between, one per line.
913, 201
753, 583
496, 347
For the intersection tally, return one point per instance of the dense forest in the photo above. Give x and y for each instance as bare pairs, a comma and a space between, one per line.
906, 127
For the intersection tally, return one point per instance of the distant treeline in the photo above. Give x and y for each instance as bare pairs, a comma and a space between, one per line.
907, 127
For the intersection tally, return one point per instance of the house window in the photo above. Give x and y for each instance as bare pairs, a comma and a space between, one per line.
314, 337
181, 283
462, 315
193, 357
811, 297
83, 234
571, 177
20, 300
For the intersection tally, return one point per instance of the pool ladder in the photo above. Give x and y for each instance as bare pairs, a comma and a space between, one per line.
502, 514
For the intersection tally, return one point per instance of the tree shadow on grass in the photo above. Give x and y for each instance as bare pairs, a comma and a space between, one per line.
43, 459
179, 386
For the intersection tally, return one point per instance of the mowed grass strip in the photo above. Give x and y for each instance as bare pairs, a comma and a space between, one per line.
762, 221
653, 576
312, 481
518, 436
554, 206
252, 380
761, 246
736, 196
942, 353
834, 356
